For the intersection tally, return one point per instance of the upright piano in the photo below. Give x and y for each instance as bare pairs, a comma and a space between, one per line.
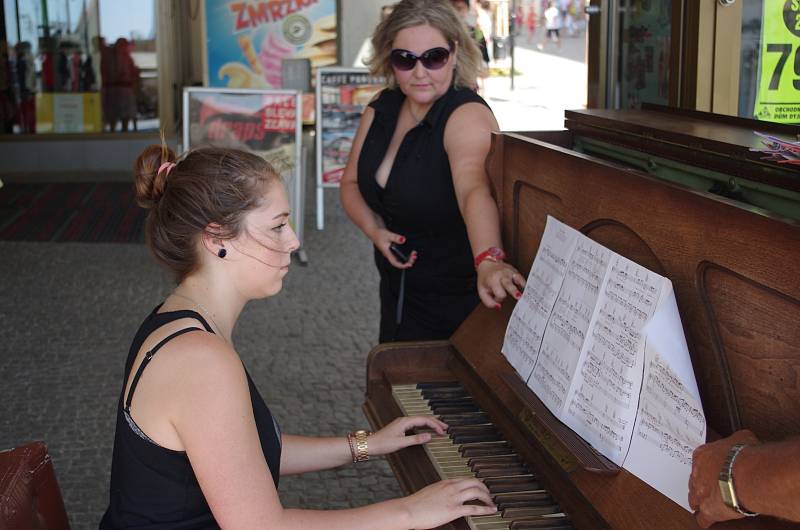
735, 268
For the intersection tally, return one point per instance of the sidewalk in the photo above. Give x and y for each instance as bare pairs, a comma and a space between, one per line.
547, 82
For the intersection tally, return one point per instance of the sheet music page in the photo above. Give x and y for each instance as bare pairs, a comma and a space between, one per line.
670, 422
529, 318
599, 340
566, 329
604, 396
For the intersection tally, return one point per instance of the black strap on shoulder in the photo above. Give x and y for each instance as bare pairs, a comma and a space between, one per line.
188, 313
147, 357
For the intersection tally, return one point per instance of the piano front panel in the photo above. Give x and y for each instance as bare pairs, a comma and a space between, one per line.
676, 232
758, 330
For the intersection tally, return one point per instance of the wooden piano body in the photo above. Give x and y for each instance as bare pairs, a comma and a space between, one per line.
736, 274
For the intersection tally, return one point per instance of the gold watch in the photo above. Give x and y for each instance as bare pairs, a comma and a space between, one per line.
362, 452
726, 482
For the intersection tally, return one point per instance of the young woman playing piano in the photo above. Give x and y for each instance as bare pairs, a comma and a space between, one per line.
196, 446
415, 179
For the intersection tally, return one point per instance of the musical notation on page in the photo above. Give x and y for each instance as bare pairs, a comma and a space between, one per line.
598, 339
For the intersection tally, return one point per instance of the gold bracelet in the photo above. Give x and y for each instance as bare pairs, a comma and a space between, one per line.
359, 448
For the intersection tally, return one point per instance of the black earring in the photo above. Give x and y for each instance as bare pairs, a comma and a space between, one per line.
222, 253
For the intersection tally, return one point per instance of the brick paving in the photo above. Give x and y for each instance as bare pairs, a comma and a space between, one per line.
68, 312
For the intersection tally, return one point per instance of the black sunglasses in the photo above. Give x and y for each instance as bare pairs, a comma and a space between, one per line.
432, 59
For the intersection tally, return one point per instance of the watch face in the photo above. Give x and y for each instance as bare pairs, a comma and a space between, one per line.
496, 253
726, 489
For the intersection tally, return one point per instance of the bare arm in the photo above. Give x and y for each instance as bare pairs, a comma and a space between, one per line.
212, 414
467, 139
356, 207
766, 477
302, 454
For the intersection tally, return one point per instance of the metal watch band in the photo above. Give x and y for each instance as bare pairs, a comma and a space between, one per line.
726, 482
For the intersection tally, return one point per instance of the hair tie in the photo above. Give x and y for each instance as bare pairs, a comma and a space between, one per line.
166, 165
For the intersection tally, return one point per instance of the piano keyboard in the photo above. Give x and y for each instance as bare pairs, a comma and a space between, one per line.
474, 448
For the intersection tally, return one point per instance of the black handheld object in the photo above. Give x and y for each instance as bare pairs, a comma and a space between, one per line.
399, 254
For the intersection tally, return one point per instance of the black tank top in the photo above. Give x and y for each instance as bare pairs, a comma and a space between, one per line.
153, 487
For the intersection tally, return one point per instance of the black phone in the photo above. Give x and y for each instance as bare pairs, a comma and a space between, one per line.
401, 256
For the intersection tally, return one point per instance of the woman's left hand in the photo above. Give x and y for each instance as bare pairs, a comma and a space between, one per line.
496, 280
394, 437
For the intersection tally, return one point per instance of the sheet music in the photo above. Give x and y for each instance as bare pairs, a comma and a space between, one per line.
669, 426
566, 329
599, 340
670, 423
529, 318
605, 391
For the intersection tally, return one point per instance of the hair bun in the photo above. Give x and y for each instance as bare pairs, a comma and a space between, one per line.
149, 181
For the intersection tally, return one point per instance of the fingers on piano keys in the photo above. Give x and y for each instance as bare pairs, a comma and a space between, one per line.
473, 447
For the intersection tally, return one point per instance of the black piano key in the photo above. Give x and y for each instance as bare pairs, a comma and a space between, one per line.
471, 418
543, 523
455, 409
512, 484
470, 429
439, 384
451, 402
502, 471
480, 461
444, 390
520, 500
485, 449
528, 511
461, 439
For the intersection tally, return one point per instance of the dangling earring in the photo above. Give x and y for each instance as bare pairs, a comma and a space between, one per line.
222, 252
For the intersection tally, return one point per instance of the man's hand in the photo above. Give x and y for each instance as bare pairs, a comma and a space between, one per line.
704, 495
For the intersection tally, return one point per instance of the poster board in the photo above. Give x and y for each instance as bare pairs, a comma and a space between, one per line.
341, 94
246, 42
778, 96
264, 122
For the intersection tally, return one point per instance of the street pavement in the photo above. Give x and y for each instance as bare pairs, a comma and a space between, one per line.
547, 81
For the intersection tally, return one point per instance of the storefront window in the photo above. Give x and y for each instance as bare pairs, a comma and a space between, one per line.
644, 52
78, 66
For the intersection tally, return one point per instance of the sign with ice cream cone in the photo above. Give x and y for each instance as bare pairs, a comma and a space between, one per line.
246, 41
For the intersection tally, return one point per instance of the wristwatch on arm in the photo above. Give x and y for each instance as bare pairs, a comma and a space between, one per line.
491, 254
726, 486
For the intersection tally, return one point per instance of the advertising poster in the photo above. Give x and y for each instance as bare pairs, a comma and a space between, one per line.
645, 37
342, 94
246, 41
265, 122
778, 97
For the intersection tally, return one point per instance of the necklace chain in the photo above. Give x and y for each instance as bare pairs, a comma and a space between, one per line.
200, 306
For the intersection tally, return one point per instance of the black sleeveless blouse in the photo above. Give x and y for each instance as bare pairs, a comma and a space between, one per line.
419, 202
153, 487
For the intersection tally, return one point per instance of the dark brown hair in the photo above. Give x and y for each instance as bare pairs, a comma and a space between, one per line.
208, 185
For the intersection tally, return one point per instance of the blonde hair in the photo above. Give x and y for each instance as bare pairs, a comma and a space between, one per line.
440, 15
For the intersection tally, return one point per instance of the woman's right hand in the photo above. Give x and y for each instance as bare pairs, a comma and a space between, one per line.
446, 500
383, 239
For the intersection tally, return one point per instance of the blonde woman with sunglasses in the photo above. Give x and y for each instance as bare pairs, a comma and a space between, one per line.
415, 182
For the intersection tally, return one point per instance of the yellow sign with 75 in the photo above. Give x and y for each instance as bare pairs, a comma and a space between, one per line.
778, 96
